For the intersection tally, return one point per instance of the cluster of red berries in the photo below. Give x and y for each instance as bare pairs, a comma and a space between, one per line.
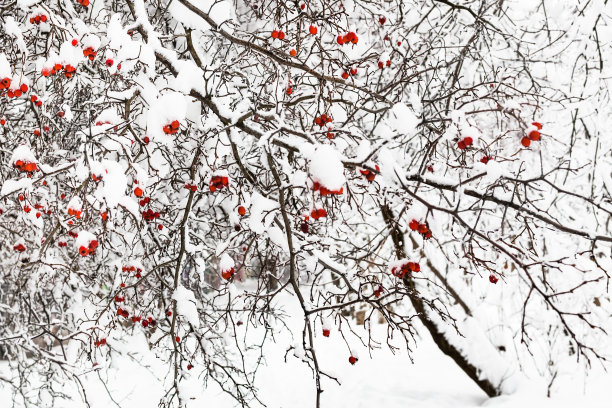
227, 274
5, 83
16, 93
422, 229
533, 135
24, 165
73, 234
369, 174
217, 183
348, 38
19, 247
123, 312
351, 72
41, 18
90, 249
100, 342
325, 191
144, 201
465, 143
486, 159
493, 278
149, 321
84, 3
69, 70
36, 101
322, 120
401, 270
278, 35
320, 213
382, 64
132, 268
150, 215
76, 212
90, 53
62, 244
119, 299
172, 127
378, 291
41, 208
191, 187
37, 131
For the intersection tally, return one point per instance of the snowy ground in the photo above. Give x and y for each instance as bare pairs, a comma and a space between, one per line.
385, 379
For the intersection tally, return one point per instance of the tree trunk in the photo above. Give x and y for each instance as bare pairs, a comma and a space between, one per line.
438, 337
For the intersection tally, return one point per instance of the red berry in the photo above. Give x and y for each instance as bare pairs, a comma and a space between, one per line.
109, 62
178, 339
313, 29
75, 42
534, 135
274, 34
241, 210
325, 332
526, 141
493, 278
138, 192
352, 359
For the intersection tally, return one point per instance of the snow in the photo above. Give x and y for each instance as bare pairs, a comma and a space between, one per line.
226, 262
260, 217
11, 27
326, 167
23, 153
83, 239
402, 119
186, 305
13, 185
424, 379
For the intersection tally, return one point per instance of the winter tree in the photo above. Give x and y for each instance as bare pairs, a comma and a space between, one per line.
175, 173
